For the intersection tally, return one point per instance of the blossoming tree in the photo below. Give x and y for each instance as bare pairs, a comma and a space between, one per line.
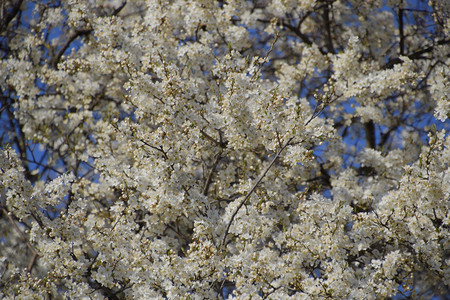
169, 149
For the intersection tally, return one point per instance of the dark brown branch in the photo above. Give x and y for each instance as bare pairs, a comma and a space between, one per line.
211, 173
417, 54
11, 15
210, 138
385, 136
20, 141
119, 9
402, 34
326, 18
295, 29
160, 149
369, 128
178, 232
77, 34
32, 262
63, 49
107, 292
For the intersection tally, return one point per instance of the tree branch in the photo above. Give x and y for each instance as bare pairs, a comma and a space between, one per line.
417, 54
400, 27
78, 33
326, 17
63, 49
22, 236
233, 216
11, 15
211, 173
369, 128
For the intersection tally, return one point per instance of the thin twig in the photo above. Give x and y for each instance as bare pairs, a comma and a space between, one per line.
22, 236
211, 173
207, 136
265, 59
160, 149
32, 262
252, 190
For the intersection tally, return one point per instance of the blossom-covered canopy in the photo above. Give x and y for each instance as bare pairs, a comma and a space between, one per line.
178, 149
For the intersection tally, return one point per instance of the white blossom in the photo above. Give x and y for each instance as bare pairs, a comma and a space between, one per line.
275, 149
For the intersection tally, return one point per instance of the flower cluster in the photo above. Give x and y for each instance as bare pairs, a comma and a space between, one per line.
206, 149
